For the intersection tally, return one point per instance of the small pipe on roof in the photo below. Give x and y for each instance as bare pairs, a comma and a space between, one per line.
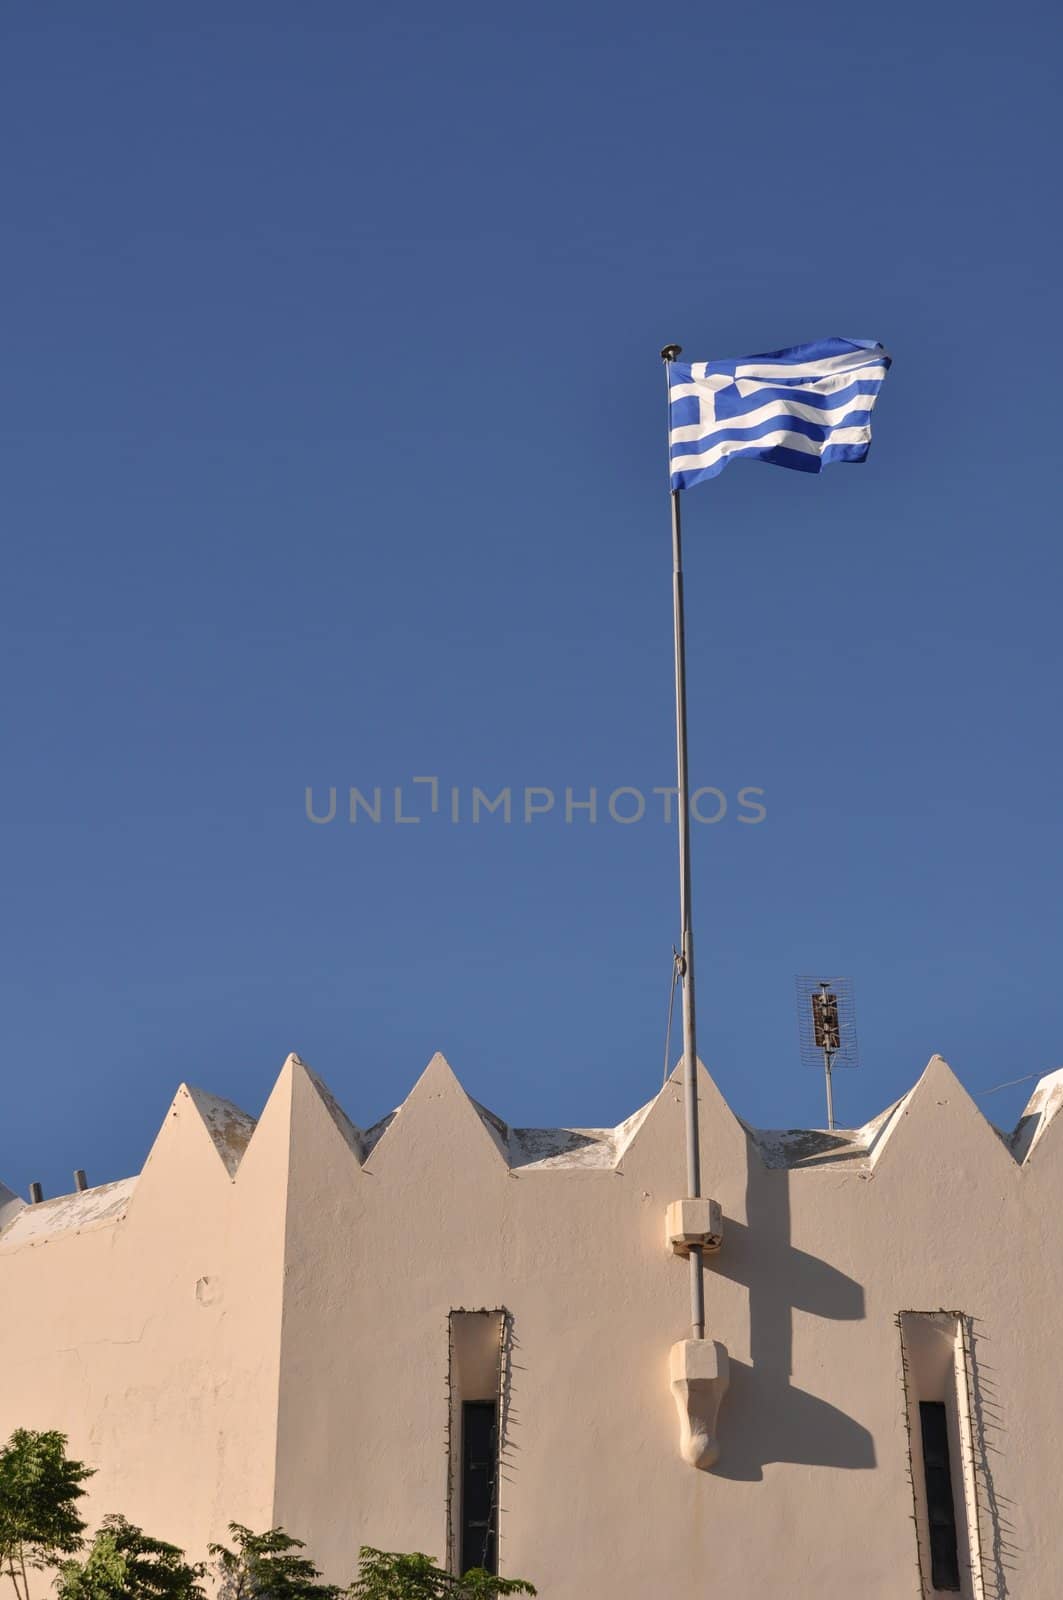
81, 1183
36, 1194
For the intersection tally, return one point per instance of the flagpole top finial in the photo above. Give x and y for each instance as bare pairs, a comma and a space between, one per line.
670, 352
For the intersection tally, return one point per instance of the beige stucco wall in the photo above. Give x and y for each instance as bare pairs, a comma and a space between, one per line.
152, 1337
305, 1380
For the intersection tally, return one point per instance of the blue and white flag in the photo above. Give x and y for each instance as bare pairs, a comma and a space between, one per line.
801, 408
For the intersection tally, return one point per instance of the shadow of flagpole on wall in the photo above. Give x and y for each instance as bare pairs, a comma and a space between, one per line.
766, 1417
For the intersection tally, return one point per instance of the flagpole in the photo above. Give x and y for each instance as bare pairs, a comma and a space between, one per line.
686, 957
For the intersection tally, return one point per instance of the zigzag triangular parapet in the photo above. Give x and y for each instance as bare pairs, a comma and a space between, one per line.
655, 1139
205, 1139
312, 1156
195, 1154
437, 1122
938, 1098
300, 1105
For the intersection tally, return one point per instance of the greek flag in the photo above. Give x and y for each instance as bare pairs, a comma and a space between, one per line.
801, 408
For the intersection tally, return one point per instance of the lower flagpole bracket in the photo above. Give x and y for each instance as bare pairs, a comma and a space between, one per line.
699, 1372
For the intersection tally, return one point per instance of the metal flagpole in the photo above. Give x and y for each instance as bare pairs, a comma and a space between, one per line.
686, 957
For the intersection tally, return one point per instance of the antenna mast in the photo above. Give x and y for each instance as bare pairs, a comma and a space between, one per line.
827, 1029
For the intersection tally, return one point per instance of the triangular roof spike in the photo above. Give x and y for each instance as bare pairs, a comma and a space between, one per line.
653, 1147
1041, 1111
935, 1117
656, 1136
297, 1093
302, 1157
193, 1155
439, 1122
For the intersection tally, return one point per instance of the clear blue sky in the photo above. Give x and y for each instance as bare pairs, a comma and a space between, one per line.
334, 455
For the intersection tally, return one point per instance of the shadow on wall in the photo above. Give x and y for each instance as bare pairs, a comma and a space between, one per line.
999, 1552
765, 1418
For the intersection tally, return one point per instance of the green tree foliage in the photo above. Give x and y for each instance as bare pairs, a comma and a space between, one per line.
125, 1563
265, 1566
383, 1575
39, 1526
39, 1489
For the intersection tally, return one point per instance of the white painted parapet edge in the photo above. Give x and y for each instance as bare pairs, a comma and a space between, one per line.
700, 1374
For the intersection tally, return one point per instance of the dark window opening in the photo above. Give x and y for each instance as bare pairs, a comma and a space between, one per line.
479, 1475
941, 1509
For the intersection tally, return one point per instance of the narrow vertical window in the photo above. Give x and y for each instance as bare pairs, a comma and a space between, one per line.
477, 1368
941, 1455
941, 1510
479, 1474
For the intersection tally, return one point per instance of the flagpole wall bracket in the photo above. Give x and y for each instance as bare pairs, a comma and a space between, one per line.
691, 1223
700, 1374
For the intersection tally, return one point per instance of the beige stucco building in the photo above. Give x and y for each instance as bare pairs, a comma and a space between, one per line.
444, 1328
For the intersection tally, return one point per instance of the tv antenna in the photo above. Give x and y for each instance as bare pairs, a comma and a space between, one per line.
826, 1026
